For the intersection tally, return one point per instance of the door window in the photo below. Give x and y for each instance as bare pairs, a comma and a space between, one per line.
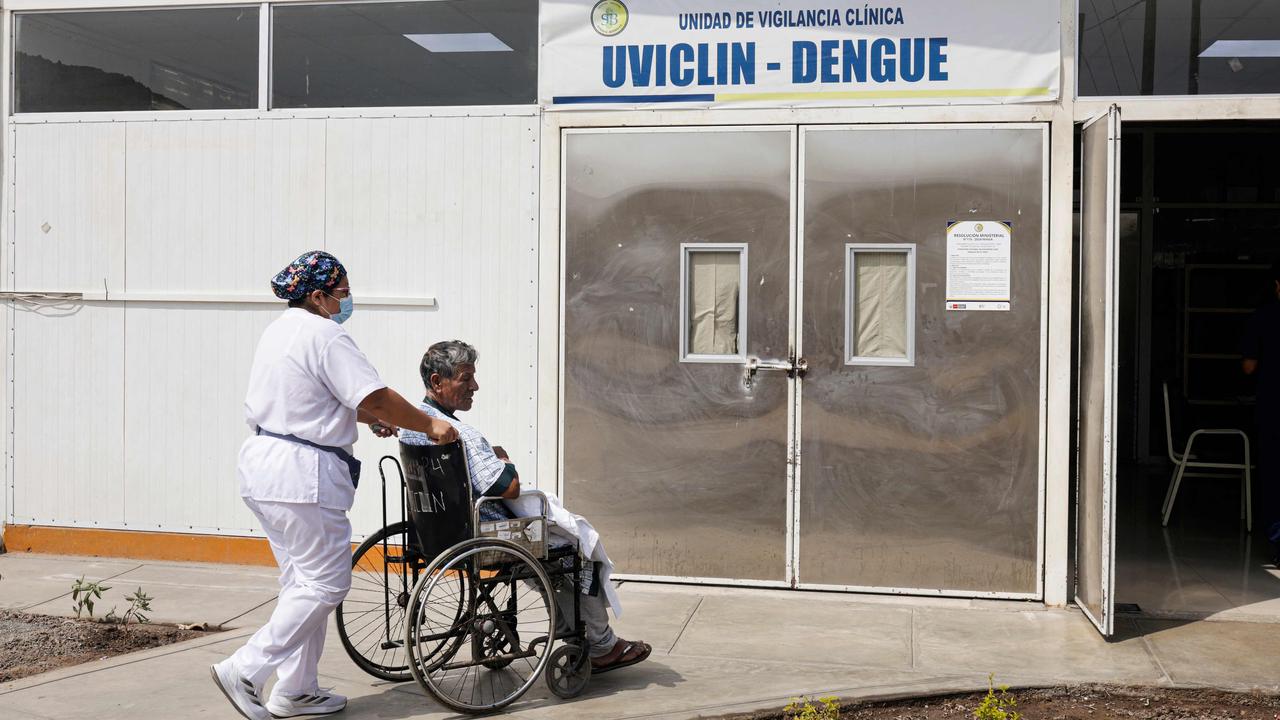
880, 304
714, 308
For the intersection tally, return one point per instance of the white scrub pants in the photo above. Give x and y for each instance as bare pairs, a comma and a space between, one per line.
312, 546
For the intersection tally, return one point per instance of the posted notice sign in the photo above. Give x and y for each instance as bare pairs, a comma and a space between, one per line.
978, 259
768, 53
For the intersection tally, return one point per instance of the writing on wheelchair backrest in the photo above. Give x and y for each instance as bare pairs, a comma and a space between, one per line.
427, 502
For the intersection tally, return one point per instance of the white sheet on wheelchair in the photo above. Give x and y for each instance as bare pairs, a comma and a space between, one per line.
573, 527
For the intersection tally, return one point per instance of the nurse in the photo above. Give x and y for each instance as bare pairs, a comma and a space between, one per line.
308, 387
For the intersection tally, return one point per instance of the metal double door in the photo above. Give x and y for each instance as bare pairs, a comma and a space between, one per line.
723, 419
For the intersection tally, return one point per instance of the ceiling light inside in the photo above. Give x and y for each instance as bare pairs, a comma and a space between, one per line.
460, 42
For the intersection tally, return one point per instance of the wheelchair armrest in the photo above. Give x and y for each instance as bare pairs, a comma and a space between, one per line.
542, 497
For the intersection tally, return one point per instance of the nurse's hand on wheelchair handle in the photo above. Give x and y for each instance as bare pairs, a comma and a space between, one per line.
389, 407
442, 432
383, 430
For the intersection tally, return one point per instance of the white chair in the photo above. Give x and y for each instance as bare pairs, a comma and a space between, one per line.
1187, 460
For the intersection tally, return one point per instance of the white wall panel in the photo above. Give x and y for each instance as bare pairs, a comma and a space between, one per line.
150, 394
69, 209
68, 405
442, 207
186, 369
240, 197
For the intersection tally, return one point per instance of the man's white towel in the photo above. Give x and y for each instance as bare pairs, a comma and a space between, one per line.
572, 527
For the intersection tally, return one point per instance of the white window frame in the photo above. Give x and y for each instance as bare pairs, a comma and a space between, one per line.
687, 249
850, 292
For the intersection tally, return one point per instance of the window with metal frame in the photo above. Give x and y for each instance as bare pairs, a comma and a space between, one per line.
128, 60
399, 54
880, 304
713, 302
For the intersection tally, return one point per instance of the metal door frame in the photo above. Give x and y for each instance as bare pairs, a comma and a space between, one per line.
794, 391
1105, 624
790, 538
1042, 430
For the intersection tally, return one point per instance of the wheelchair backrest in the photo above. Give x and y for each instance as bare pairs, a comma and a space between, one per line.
438, 490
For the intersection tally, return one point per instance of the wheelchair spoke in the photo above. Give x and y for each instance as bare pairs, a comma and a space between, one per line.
490, 605
372, 614
375, 628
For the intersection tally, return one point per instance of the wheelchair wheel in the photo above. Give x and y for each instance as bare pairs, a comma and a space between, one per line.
508, 620
493, 648
371, 617
568, 671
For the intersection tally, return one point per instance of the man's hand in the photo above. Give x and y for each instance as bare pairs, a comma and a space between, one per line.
502, 454
441, 432
513, 490
383, 430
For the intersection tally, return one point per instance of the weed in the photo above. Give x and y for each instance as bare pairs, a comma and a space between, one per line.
998, 704
84, 593
801, 708
139, 603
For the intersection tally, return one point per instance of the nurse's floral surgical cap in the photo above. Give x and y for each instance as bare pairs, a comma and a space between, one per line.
315, 270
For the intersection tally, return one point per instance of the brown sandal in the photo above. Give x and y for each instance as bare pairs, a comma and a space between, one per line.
624, 654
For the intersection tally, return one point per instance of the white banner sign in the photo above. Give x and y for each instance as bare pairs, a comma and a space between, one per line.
978, 260
762, 53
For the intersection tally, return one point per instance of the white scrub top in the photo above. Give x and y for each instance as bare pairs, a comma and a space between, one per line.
307, 380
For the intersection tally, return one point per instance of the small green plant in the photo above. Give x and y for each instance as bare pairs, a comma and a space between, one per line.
84, 593
998, 704
139, 603
801, 708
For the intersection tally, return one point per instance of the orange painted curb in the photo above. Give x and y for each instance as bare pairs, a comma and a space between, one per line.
138, 545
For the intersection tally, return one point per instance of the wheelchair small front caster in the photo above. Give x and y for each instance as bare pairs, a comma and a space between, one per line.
568, 671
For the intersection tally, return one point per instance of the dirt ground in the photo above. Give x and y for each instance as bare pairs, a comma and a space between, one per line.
1084, 702
32, 644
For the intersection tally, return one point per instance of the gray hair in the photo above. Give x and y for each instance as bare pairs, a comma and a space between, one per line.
443, 359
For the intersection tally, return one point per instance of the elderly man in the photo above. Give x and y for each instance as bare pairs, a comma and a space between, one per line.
449, 373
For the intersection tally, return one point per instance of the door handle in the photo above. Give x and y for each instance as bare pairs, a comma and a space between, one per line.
793, 368
754, 364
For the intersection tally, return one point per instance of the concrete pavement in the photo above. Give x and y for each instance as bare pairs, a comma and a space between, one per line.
716, 650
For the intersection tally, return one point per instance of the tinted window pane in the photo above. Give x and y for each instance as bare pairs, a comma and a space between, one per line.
1179, 47
448, 52
1235, 165
137, 60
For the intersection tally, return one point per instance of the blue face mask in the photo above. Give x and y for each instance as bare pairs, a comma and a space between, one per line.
345, 308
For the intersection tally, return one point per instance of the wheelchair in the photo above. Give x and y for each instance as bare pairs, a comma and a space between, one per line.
464, 606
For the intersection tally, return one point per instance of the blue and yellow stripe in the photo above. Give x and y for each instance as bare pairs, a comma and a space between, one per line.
785, 97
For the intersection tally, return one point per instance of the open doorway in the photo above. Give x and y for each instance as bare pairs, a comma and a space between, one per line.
1199, 229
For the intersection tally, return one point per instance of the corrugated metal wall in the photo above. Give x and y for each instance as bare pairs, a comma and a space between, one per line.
128, 414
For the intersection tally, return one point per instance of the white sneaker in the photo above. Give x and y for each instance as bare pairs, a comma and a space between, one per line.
321, 702
242, 693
